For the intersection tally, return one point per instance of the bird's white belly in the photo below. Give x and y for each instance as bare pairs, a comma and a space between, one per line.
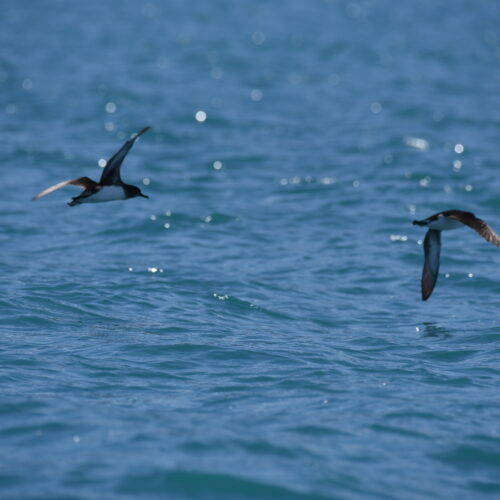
444, 223
106, 193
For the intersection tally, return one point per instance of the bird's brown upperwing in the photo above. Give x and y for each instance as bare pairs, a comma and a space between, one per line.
478, 225
83, 182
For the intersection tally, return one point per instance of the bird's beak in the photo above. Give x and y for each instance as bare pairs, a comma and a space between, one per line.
143, 195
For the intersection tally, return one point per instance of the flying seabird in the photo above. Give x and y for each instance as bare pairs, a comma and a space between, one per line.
110, 186
444, 221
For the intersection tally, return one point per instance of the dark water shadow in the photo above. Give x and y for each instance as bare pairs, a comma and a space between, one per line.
432, 329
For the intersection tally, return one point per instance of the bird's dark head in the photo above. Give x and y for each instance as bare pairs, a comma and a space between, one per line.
420, 222
134, 191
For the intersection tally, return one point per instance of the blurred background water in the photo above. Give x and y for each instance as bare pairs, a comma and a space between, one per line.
255, 328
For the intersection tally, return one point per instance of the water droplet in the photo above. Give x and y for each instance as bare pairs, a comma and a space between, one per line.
110, 107
200, 116
27, 84
256, 95
327, 180
417, 143
425, 181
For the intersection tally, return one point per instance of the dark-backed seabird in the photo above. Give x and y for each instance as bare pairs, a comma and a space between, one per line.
443, 221
110, 186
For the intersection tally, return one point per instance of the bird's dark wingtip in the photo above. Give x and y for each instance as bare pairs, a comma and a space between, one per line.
143, 131
426, 293
136, 135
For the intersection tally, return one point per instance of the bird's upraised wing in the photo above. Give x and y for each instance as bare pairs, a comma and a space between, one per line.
432, 251
111, 173
83, 182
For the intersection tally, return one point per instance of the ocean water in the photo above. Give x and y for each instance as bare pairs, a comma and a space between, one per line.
254, 330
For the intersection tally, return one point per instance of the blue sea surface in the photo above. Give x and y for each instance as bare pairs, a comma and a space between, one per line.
255, 329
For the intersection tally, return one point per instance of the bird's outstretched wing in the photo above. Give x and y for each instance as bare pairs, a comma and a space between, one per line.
83, 182
478, 225
432, 251
111, 173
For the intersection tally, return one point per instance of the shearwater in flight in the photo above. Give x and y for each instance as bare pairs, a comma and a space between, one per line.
110, 186
443, 221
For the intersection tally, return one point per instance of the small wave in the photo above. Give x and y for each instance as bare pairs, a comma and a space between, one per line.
206, 485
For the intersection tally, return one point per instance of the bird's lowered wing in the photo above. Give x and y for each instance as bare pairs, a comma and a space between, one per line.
432, 251
111, 173
83, 182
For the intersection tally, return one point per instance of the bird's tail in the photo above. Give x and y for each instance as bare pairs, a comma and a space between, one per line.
75, 202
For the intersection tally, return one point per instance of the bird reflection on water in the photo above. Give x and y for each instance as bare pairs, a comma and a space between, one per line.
431, 329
